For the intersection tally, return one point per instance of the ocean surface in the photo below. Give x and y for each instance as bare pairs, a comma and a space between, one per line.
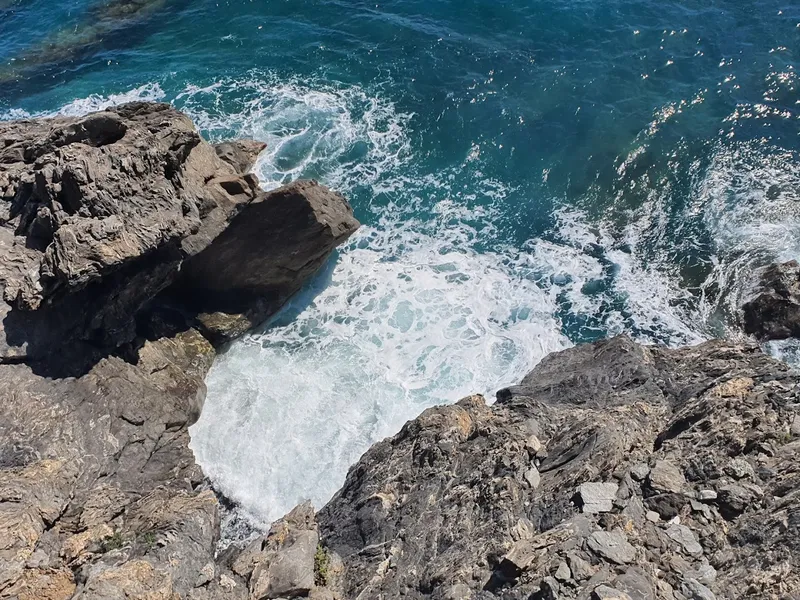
530, 175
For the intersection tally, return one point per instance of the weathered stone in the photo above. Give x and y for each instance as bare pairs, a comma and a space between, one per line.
289, 571
283, 238
707, 495
685, 538
773, 310
562, 572
734, 499
694, 590
104, 209
666, 478
739, 468
99, 493
532, 477
580, 568
598, 497
613, 546
604, 592
640, 471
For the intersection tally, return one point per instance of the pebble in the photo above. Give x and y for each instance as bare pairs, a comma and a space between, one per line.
707, 495
652, 516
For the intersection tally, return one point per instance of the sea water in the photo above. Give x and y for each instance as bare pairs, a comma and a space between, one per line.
529, 175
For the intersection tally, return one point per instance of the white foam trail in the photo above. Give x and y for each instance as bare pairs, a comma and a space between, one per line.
150, 92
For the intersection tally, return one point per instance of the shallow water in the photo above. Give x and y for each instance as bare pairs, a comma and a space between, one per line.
530, 175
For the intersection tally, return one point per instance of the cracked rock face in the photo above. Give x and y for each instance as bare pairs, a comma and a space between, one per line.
101, 368
444, 509
773, 310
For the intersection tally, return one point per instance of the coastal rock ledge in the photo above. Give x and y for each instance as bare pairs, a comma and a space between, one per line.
130, 249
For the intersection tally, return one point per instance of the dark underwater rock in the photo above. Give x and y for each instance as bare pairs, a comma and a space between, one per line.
773, 312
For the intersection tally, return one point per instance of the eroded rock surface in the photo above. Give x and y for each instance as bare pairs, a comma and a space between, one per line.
445, 509
101, 372
773, 312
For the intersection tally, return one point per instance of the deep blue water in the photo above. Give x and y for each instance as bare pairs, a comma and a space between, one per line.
530, 175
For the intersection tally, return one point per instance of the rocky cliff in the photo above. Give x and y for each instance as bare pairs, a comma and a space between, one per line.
130, 249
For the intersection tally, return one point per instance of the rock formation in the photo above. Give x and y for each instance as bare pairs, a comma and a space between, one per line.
102, 369
130, 248
773, 311
612, 471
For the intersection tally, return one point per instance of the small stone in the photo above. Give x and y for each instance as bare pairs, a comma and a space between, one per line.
666, 478
685, 537
563, 573
667, 505
739, 468
652, 516
532, 477
226, 582
734, 499
580, 568
604, 592
694, 590
707, 495
533, 445
795, 427
206, 575
549, 589
613, 546
640, 471
598, 497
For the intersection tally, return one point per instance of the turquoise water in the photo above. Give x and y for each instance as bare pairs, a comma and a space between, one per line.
530, 175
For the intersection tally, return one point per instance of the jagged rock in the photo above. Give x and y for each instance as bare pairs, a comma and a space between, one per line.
684, 536
562, 572
100, 496
773, 310
268, 250
284, 565
694, 590
445, 502
613, 546
604, 592
666, 478
98, 212
598, 497
640, 472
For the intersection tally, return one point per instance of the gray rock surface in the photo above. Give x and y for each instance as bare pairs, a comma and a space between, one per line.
773, 310
102, 373
598, 497
446, 503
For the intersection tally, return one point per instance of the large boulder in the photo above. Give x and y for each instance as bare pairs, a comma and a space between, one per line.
773, 310
96, 215
269, 249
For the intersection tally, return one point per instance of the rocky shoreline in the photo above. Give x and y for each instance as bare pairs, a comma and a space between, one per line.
131, 250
